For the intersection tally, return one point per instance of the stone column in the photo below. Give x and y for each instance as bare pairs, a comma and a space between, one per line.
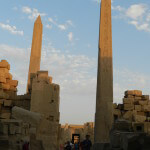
104, 95
35, 57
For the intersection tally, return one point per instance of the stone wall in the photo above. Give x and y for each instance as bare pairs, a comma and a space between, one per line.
45, 100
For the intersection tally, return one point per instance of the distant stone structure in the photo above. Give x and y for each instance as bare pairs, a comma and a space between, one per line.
68, 131
35, 58
104, 97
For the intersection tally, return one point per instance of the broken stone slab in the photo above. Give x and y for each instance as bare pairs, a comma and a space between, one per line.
139, 118
143, 102
128, 115
2, 80
145, 97
128, 100
128, 106
137, 107
5, 70
7, 102
27, 116
8, 76
5, 115
115, 106
133, 92
146, 108
13, 83
4, 64
117, 112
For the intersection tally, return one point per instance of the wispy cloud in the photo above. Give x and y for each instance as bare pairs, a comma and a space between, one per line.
63, 27
11, 29
137, 15
32, 13
70, 36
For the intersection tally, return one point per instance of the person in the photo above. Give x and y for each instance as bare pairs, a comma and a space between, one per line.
68, 146
87, 144
76, 146
26, 146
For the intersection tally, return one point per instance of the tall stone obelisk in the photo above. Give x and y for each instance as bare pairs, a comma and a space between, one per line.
35, 57
104, 95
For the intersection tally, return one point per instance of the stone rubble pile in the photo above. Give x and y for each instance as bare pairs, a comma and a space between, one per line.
8, 90
135, 108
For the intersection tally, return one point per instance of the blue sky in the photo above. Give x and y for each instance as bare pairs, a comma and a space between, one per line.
70, 47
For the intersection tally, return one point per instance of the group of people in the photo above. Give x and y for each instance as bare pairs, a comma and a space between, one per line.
84, 145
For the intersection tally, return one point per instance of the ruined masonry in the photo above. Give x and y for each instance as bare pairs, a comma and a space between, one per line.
135, 109
104, 97
34, 116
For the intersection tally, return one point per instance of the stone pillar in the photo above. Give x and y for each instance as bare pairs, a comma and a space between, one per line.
35, 57
104, 95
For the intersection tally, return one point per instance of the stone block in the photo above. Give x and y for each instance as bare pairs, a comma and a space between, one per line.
137, 93
3, 129
137, 107
146, 108
8, 76
133, 92
128, 115
4, 64
5, 86
141, 113
145, 97
1, 101
2, 80
129, 92
5, 70
137, 98
5, 109
5, 115
12, 129
7, 102
141, 102
18, 130
114, 105
117, 112
50, 79
128, 100
2, 74
12, 88
139, 118
13, 83
3, 95
128, 106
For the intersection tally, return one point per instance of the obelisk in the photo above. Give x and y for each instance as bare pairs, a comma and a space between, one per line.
35, 57
104, 95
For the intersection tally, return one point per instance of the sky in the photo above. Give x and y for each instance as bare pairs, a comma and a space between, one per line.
70, 48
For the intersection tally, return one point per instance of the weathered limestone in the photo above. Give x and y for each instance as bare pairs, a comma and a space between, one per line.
35, 57
45, 100
27, 116
104, 98
136, 110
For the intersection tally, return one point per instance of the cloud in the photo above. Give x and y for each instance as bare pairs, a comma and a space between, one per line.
11, 29
136, 11
62, 27
70, 36
137, 15
49, 26
32, 13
